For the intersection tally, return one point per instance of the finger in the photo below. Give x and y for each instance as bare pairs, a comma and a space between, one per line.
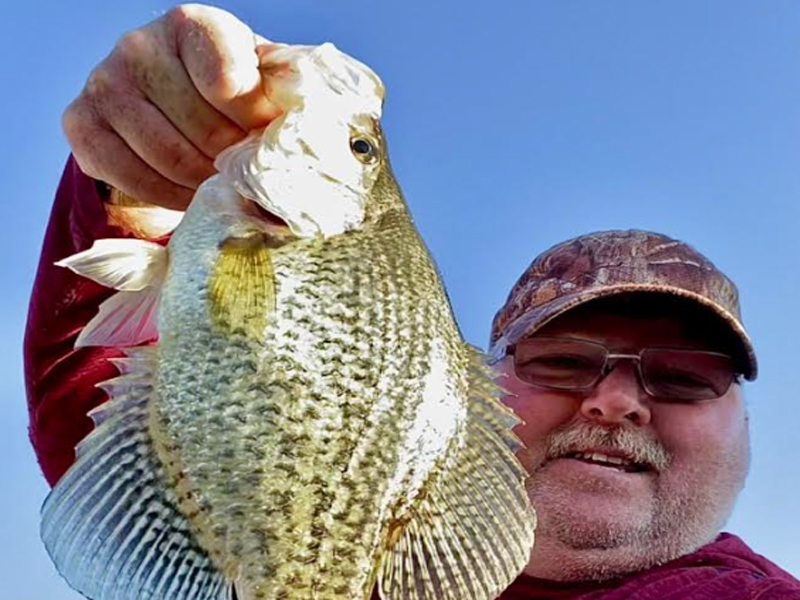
156, 141
132, 176
93, 144
111, 100
205, 127
219, 52
151, 63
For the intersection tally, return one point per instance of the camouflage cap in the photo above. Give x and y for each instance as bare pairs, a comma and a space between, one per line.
606, 263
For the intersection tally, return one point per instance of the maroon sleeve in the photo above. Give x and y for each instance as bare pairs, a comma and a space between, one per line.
776, 590
59, 380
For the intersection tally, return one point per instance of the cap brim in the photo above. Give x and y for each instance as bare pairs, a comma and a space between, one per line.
536, 318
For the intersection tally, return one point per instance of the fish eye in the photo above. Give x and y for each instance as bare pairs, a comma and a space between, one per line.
363, 149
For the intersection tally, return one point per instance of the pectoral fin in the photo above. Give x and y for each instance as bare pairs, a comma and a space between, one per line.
472, 533
242, 287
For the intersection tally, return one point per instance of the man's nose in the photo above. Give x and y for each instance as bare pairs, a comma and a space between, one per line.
618, 398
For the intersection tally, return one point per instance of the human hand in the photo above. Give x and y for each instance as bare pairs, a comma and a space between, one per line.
170, 96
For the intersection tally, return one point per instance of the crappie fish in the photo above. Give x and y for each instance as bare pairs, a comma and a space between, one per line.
310, 422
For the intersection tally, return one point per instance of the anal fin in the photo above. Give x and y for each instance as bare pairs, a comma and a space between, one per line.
111, 526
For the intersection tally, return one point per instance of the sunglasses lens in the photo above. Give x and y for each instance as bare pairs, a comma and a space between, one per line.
559, 363
686, 375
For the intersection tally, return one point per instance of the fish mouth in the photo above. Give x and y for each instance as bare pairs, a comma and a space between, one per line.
609, 458
270, 218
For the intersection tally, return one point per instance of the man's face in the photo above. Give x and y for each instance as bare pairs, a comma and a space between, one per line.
602, 521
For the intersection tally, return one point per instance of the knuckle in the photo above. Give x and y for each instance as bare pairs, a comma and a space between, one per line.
132, 45
87, 159
88, 139
185, 15
179, 164
100, 82
73, 120
87, 166
216, 139
187, 167
189, 20
81, 127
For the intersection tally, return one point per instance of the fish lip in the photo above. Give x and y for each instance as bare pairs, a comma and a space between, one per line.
642, 466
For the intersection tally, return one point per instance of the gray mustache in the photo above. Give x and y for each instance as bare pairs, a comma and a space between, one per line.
635, 445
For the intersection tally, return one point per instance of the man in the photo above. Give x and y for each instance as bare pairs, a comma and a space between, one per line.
622, 351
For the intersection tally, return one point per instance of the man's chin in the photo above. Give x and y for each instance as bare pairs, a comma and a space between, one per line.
602, 512
588, 533
575, 544
583, 528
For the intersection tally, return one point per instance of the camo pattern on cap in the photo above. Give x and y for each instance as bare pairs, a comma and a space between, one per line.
611, 262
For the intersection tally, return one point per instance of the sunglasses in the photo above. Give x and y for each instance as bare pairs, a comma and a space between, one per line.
666, 374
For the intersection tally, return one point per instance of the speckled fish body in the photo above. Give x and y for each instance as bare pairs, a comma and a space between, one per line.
330, 419
310, 422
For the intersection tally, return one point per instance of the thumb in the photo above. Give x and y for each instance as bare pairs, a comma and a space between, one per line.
220, 55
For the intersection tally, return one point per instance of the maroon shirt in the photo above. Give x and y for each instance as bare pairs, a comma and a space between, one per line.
726, 569
60, 384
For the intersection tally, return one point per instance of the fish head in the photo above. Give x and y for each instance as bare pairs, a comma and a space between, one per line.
315, 166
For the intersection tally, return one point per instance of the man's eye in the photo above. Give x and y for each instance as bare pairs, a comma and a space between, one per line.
682, 380
561, 361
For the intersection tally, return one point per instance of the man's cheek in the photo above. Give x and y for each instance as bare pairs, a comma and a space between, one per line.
518, 398
521, 408
700, 440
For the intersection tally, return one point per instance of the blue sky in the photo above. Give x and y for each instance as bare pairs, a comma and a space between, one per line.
513, 126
